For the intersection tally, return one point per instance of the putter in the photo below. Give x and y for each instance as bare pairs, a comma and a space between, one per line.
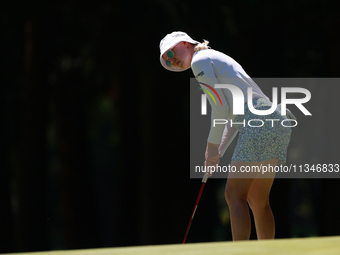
204, 180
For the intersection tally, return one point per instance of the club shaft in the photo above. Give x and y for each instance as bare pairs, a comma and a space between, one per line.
193, 212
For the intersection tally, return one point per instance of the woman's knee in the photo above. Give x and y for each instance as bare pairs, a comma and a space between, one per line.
233, 195
258, 203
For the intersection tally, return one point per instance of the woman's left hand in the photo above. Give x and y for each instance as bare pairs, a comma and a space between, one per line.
212, 156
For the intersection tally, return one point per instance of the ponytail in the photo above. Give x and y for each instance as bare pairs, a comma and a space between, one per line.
202, 46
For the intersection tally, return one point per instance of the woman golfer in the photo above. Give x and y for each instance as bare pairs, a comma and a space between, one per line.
263, 145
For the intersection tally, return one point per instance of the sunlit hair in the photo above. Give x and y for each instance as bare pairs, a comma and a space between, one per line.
202, 46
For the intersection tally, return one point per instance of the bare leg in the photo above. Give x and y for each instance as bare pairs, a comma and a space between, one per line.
258, 200
237, 192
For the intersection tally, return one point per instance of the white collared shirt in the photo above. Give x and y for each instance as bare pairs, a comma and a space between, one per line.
212, 67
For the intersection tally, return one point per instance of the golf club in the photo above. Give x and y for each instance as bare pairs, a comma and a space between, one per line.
204, 180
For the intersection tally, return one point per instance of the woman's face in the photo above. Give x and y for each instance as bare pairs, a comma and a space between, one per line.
182, 55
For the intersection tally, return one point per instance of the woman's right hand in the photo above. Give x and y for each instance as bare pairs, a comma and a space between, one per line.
212, 156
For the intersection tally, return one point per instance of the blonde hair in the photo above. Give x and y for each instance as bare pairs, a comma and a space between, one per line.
202, 46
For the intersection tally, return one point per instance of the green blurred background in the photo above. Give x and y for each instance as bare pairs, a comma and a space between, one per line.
96, 132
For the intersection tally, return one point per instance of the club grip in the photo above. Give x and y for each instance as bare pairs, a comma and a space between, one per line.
205, 177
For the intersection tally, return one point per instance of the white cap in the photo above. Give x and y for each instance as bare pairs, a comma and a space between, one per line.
170, 41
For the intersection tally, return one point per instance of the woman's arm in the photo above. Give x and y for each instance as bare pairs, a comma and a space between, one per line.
203, 70
215, 151
220, 136
228, 136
